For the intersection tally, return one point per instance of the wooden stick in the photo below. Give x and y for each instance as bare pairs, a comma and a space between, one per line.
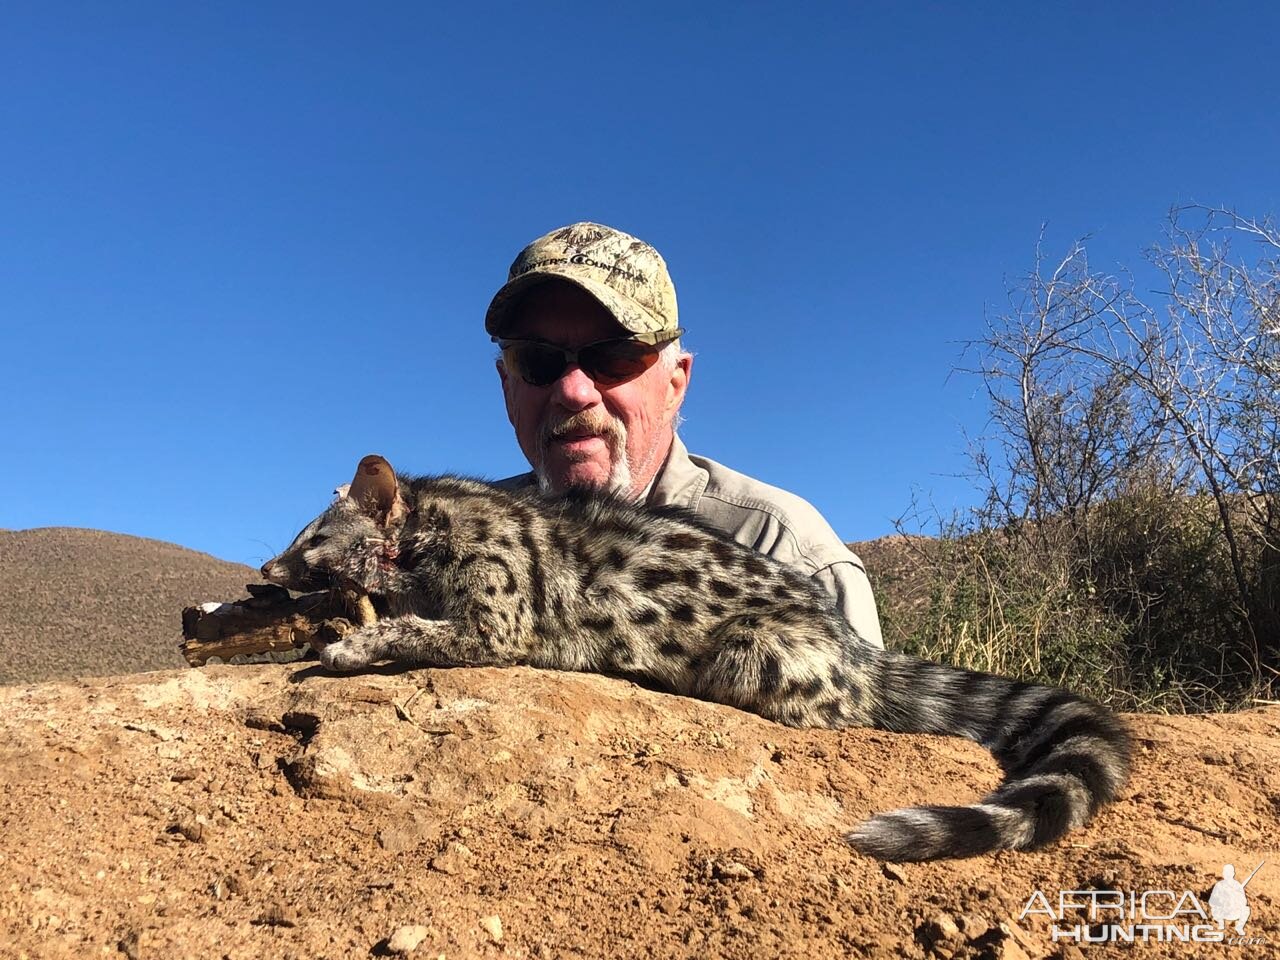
270, 622
360, 606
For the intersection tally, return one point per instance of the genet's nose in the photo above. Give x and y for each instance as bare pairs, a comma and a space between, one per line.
265, 570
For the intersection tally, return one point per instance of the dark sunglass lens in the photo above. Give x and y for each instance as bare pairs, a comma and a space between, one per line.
536, 363
617, 362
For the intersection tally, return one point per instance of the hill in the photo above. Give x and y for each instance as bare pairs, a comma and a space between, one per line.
77, 602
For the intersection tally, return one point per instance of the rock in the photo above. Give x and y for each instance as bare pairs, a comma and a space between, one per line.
1017, 935
893, 872
1008, 950
278, 915
195, 828
406, 939
733, 870
128, 945
492, 925
443, 863
973, 925
939, 929
399, 839
452, 859
1007, 942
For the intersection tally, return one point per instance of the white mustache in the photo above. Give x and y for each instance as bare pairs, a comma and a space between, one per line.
603, 426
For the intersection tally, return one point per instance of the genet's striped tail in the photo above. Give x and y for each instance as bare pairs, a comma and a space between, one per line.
1063, 757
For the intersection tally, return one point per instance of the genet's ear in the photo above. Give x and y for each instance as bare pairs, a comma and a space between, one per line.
377, 492
341, 490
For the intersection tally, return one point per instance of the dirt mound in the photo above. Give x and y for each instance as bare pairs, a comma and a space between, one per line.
79, 602
259, 811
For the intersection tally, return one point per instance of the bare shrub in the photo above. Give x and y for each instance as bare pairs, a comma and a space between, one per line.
1128, 537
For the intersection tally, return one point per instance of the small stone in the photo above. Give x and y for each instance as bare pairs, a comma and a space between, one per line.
939, 929
194, 828
128, 945
406, 939
733, 870
397, 839
445, 863
973, 925
493, 926
278, 915
1005, 939
1019, 936
893, 872
453, 859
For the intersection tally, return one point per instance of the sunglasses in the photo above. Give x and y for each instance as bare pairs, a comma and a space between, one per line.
607, 362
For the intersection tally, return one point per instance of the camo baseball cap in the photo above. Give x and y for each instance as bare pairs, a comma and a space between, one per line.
626, 275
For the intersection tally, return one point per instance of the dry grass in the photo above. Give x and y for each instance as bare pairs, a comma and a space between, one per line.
1133, 610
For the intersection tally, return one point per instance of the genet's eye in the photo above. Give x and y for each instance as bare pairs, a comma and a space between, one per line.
315, 541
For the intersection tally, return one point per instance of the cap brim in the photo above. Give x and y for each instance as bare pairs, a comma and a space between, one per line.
629, 315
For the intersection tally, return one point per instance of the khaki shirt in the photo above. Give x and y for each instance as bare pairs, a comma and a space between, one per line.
771, 521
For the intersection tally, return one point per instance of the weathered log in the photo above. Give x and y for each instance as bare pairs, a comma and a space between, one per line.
269, 625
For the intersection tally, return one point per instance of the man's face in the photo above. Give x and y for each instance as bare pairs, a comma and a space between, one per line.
575, 432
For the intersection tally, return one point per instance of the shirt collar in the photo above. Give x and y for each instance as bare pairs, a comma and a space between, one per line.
680, 482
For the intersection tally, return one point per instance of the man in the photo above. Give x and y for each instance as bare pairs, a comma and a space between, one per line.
594, 376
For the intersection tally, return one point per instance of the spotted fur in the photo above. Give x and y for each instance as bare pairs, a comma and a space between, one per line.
470, 575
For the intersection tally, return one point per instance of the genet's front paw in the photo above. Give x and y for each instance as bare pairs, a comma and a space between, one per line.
355, 651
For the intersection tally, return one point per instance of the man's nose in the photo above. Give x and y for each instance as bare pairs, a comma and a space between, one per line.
575, 390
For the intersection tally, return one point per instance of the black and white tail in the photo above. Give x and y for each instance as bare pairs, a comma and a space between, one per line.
1063, 757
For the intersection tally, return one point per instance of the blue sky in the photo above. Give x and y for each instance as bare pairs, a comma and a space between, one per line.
242, 245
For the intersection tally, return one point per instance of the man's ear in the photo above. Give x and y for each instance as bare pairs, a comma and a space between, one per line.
678, 384
377, 491
503, 375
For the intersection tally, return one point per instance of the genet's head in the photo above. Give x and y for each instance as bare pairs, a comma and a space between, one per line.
591, 365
